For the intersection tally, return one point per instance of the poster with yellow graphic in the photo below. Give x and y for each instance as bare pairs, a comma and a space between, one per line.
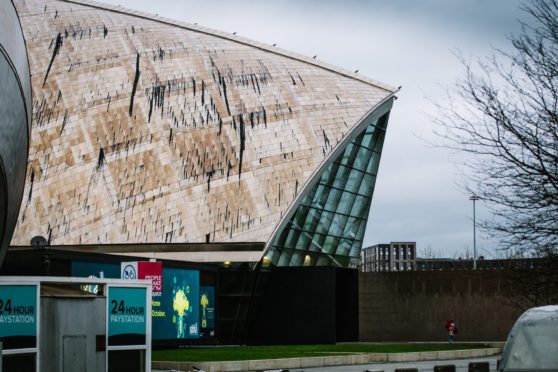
207, 311
176, 313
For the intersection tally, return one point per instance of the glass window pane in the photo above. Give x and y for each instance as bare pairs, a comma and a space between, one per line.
292, 237
321, 197
342, 175
315, 245
378, 145
361, 230
338, 225
353, 183
367, 137
325, 222
344, 247
374, 163
359, 206
300, 216
330, 177
351, 227
333, 200
330, 244
297, 259
303, 242
324, 260
346, 203
349, 154
367, 185
285, 257
312, 219
361, 162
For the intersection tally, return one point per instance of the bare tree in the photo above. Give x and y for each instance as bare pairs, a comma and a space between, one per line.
533, 286
504, 112
429, 253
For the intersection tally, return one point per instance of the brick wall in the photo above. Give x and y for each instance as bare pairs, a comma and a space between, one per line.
414, 305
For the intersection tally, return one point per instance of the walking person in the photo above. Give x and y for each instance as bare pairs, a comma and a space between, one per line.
452, 330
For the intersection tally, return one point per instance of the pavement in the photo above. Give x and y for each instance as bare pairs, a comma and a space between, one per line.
462, 365
335, 362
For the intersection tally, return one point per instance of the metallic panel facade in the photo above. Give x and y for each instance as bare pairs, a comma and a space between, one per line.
148, 130
15, 119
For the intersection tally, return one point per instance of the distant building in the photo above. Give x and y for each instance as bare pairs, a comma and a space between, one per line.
395, 256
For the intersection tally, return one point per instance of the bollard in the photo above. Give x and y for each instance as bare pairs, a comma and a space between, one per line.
479, 367
445, 368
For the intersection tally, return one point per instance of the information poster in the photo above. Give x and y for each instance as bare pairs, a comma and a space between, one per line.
127, 322
207, 311
176, 313
18, 316
150, 270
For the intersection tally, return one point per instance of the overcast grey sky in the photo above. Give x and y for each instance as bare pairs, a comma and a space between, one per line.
398, 42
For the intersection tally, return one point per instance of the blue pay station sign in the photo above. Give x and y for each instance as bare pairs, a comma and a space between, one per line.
127, 316
18, 316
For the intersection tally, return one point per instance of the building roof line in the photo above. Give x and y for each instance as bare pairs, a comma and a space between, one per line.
153, 247
234, 38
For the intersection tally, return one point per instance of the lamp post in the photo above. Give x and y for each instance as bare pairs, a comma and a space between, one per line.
474, 198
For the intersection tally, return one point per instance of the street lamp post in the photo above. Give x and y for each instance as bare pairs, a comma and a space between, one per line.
474, 198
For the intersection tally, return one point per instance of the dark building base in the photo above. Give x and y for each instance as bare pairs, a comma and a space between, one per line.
285, 305
307, 305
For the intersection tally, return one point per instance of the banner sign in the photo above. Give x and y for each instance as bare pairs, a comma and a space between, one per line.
129, 270
176, 313
18, 316
127, 318
207, 311
145, 270
152, 271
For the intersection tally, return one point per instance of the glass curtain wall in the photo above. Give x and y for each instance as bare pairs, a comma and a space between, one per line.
328, 226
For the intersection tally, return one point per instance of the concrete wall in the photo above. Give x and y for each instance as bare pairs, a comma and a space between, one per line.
414, 305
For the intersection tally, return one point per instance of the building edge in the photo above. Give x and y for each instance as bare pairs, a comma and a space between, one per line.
16, 129
234, 38
373, 114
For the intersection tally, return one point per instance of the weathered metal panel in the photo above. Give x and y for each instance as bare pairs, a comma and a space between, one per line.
15, 116
74, 353
149, 130
64, 318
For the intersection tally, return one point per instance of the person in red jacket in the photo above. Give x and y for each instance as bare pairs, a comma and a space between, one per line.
452, 330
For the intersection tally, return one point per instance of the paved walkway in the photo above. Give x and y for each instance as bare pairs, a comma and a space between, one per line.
460, 364
340, 361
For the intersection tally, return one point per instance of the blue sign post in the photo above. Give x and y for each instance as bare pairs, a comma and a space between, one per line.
129, 322
18, 316
127, 316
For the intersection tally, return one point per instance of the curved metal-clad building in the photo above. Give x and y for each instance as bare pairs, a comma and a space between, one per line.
15, 124
149, 130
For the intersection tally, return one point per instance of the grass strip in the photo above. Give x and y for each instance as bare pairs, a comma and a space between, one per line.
230, 353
